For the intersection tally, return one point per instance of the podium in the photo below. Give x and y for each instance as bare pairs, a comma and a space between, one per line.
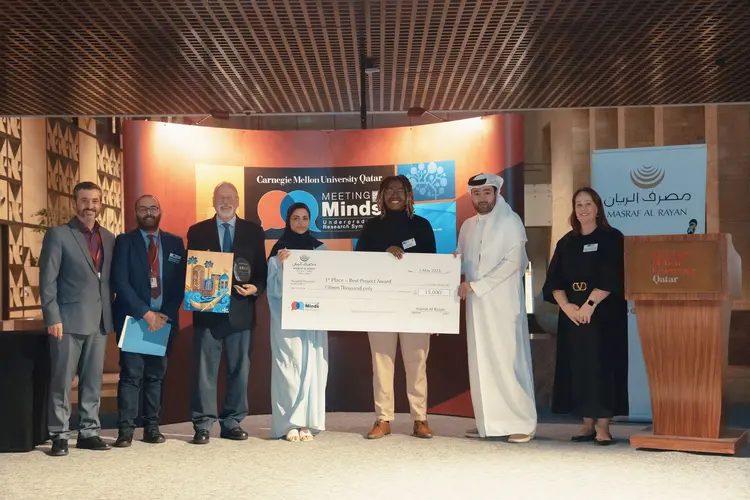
683, 287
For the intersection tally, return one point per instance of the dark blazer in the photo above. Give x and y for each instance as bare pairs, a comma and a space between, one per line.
71, 290
131, 277
249, 244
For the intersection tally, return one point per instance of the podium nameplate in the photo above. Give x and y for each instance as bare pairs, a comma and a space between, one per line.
669, 267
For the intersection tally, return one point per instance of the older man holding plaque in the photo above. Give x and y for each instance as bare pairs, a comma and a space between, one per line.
226, 233
398, 230
493, 248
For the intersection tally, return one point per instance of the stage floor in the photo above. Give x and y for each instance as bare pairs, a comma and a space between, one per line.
340, 463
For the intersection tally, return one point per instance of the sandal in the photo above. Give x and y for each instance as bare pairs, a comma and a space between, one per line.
292, 436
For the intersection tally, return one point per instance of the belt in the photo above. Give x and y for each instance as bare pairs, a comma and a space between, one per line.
579, 286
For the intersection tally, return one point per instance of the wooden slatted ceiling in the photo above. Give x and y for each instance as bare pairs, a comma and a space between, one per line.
172, 57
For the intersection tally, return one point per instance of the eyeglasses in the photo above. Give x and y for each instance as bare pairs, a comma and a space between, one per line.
148, 210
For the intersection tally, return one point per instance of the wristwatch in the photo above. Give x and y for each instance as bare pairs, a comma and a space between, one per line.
591, 303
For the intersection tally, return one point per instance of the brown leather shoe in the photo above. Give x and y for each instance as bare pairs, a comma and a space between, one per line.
380, 429
422, 430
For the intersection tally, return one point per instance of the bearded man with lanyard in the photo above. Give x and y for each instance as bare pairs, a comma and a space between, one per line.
148, 276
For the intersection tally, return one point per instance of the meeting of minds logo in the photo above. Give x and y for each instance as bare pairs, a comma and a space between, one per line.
273, 205
647, 177
340, 199
302, 306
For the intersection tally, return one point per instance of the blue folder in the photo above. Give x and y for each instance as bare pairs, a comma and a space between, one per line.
137, 338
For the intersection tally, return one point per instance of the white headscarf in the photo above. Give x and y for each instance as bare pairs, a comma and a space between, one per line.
503, 226
481, 180
502, 209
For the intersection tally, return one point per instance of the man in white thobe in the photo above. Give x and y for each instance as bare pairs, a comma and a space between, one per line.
492, 245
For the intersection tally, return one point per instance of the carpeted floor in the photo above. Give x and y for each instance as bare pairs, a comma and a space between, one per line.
340, 464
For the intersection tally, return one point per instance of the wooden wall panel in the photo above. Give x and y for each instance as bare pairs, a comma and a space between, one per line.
733, 157
40, 163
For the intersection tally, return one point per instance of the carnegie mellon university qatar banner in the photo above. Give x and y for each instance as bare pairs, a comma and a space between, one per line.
340, 199
650, 191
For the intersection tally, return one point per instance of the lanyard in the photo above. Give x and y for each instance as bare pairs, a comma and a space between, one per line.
157, 244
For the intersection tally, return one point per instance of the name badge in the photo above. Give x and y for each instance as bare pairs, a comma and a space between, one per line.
153, 281
590, 248
174, 258
409, 243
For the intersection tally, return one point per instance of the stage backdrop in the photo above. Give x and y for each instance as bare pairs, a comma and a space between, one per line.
337, 174
650, 191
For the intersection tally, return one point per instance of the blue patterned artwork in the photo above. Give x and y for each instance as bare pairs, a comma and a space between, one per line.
442, 217
432, 181
208, 281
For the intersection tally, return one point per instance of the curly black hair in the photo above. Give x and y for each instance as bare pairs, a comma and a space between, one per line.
407, 187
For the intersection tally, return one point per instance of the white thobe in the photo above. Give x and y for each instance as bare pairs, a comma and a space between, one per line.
500, 373
299, 367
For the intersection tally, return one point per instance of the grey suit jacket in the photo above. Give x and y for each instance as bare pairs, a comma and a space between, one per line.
72, 292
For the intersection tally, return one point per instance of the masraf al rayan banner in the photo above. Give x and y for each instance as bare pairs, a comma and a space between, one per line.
650, 191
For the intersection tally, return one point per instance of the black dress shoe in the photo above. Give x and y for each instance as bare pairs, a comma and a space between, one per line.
584, 438
93, 443
236, 434
201, 437
124, 441
59, 448
153, 436
604, 442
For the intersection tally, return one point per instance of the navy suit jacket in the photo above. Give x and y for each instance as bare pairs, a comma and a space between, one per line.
131, 278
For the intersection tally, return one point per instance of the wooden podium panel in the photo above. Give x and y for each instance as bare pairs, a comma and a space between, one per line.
683, 287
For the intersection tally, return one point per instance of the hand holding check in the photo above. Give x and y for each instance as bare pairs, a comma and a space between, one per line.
396, 252
464, 290
282, 255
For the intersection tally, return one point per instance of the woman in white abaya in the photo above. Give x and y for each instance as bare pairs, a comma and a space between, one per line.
299, 368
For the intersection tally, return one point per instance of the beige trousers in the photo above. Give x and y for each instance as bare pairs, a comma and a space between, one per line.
414, 350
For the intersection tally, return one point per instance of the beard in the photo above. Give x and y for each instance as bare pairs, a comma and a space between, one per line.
484, 207
83, 214
149, 222
226, 210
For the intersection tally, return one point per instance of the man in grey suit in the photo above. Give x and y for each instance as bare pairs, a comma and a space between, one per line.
74, 268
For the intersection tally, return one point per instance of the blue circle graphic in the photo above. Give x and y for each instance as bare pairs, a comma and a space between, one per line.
301, 197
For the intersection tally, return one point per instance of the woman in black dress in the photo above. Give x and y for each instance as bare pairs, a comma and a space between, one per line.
585, 278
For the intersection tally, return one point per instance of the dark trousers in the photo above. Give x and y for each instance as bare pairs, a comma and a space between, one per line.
207, 348
139, 371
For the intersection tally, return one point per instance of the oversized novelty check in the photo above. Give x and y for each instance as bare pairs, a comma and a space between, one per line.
370, 292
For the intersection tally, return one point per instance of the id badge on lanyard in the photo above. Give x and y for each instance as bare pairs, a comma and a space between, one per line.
153, 280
